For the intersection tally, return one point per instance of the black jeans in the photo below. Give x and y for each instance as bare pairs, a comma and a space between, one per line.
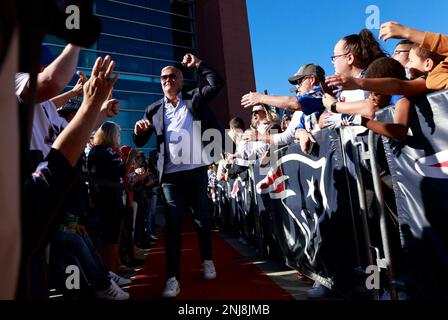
183, 191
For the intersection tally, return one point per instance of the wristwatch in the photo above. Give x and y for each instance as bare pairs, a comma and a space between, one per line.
333, 107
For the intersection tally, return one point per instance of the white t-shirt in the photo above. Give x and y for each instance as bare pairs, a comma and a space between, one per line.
47, 124
353, 95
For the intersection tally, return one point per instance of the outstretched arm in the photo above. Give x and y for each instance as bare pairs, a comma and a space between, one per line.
285, 102
76, 91
394, 30
52, 80
365, 107
388, 86
397, 130
214, 82
73, 138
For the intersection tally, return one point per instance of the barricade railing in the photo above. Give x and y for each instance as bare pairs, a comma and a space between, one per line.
288, 194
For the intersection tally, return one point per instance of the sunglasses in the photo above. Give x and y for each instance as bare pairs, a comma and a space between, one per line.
171, 76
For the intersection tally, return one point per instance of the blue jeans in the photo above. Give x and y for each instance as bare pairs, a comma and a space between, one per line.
183, 191
83, 249
143, 223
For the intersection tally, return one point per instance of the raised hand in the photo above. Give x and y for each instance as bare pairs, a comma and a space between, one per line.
343, 82
393, 30
100, 84
78, 88
190, 61
251, 99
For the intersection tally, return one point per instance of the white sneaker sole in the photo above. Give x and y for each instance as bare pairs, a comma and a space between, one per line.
170, 295
210, 276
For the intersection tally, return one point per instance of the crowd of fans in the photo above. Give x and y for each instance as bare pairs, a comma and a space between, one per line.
89, 200
365, 80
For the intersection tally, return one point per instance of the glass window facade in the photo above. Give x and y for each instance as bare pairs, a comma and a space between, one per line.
142, 36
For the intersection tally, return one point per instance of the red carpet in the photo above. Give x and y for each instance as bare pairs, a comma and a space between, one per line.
237, 278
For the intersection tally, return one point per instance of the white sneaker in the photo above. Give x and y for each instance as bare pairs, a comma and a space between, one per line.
119, 280
172, 288
209, 270
114, 292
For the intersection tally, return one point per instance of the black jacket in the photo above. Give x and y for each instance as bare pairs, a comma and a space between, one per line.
196, 101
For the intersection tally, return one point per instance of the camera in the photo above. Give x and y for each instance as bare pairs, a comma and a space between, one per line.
37, 18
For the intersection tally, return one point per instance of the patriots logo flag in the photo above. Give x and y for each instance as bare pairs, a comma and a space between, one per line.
419, 170
307, 198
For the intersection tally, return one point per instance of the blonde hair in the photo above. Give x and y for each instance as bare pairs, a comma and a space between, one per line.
271, 116
108, 134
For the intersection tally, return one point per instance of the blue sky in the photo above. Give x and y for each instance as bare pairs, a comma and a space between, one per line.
286, 34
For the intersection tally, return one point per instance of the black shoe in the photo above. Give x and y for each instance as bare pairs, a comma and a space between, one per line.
143, 244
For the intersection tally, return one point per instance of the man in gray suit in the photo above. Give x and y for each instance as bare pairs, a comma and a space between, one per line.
179, 120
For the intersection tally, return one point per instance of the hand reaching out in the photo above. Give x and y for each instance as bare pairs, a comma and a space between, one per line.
251, 99
393, 30
78, 88
100, 84
343, 82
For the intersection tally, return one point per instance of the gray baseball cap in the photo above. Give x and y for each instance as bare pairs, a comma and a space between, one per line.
308, 70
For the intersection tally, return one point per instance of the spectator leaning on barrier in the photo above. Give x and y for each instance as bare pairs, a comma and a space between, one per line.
308, 100
421, 63
380, 68
352, 55
436, 43
226, 167
249, 147
287, 102
308, 81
